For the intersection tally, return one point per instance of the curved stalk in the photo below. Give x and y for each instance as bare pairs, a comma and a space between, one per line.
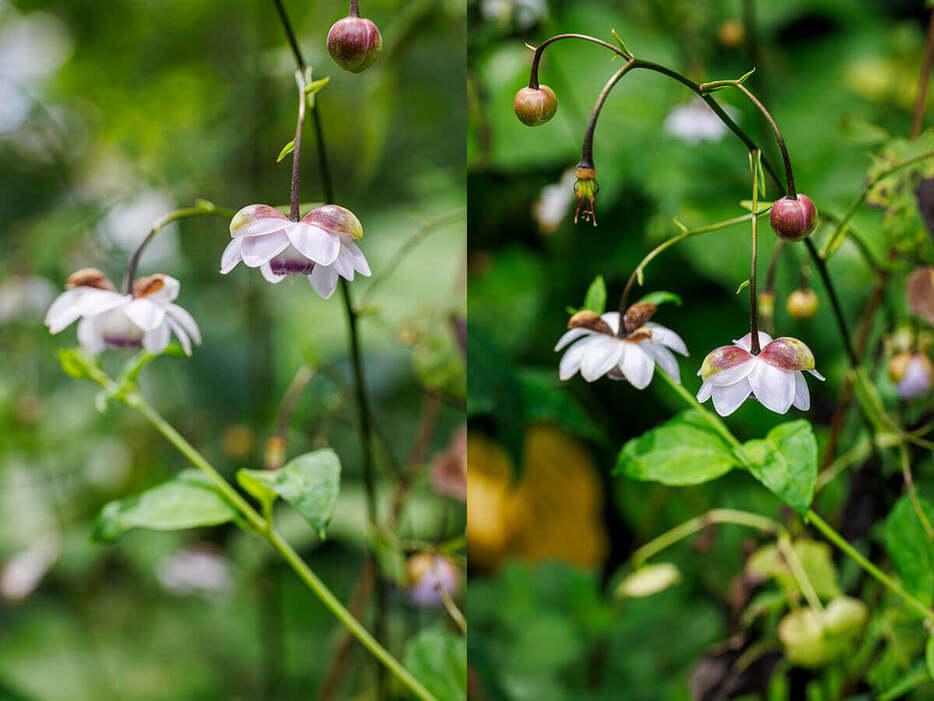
789, 175
587, 148
753, 272
540, 49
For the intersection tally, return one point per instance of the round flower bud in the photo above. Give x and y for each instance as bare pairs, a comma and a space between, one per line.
426, 575
354, 43
802, 303
802, 635
845, 617
912, 374
767, 304
793, 219
535, 106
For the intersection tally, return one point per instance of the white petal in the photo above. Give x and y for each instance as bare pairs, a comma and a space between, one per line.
744, 342
324, 279
356, 257
802, 396
145, 314
156, 339
261, 249
704, 394
728, 399
165, 294
667, 337
612, 318
817, 375
571, 360
343, 265
89, 336
732, 375
256, 220
602, 353
180, 333
186, 321
270, 276
80, 301
231, 255
314, 242
637, 365
569, 336
774, 388
664, 357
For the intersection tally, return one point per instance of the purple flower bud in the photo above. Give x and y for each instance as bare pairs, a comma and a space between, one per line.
427, 575
911, 373
354, 43
535, 106
793, 219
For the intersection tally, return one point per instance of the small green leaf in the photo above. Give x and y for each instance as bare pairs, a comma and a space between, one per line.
742, 285
310, 483
660, 297
684, 450
79, 364
785, 461
909, 547
286, 150
257, 489
438, 659
929, 656
186, 501
317, 85
595, 300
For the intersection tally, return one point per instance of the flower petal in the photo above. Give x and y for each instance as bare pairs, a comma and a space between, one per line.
257, 219
728, 398
261, 249
180, 333
802, 396
637, 365
270, 276
817, 375
356, 257
343, 265
726, 365
155, 340
744, 342
571, 360
145, 314
186, 321
314, 242
774, 388
324, 279
611, 318
602, 353
89, 336
789, 354
80, 301
164, 289
231, 255
664, 357
667, 337
704, 393
570, 336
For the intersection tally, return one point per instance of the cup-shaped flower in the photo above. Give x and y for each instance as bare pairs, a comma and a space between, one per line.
320, 246
596, 349
146, 317
912, 373
354, 43
775, 376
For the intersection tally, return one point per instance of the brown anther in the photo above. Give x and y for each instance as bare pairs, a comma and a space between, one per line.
89, 277
145, 286
637, 315
587, 319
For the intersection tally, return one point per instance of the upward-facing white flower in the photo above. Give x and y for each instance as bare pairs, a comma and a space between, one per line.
596, 350
147, 317
321, 246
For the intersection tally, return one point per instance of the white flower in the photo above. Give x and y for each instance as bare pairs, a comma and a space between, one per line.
554, 202
147, 317
21, 574
695, 122
774, 376
195, 569
596, 350
912, 373
321, 246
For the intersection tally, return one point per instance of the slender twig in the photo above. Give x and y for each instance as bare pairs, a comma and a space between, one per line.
540, 49
587, 147
753, 272
799, 573
905, 459
789, 174
294, 197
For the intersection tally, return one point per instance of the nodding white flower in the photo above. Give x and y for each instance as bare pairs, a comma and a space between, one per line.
427, 575
321, 246
912, 374
146, 317
775, 376
596, 350
694, 122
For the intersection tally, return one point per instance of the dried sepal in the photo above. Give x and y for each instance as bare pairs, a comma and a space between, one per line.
90, 277
587, 319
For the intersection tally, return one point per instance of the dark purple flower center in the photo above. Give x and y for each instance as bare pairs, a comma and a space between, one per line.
291, 266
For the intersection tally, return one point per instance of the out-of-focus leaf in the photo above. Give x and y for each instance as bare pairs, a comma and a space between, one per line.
186, 501
310, 483
545, 400
595, 299
649, 580
911, 550
919, 289
684, 450
438, 659
815, 558
660, 297
785, 461
79, 364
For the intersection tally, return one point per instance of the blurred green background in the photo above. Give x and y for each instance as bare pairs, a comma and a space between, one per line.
547, 537
111, 115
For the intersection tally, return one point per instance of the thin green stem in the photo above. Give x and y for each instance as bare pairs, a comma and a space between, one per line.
905, 458
799, 573
712, 419
265, 529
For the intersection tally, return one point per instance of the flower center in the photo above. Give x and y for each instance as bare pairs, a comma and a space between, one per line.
291, 262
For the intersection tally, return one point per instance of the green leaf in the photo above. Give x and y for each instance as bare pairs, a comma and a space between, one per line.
257, 489
286, 150
785, 461
546, 400
909, 547
595, 300
186, 501
660, 297
310, 483
929, 656
79, 364
438, 659
317, 85
684, 450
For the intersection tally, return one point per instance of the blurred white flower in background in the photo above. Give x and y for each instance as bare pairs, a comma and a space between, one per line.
427, 575
25, 298
555, 201
21, 574
128, 221
196, 569
525, 13
695, 122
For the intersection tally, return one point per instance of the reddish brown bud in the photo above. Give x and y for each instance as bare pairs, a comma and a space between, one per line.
793, 219
535, 106
354, 43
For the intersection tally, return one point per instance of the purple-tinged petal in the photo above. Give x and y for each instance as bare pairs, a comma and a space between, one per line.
603, 352
729, 398
257, 219
261, 249
745, 341
788, 354
726, 365
180, 333
802, 395
774, 388
916, 381
817, 375
637, 365
314, 242
343, 265
231, 255
335, 220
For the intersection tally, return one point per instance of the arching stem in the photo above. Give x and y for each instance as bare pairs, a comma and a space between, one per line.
789, 175
540, 49
587, 147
